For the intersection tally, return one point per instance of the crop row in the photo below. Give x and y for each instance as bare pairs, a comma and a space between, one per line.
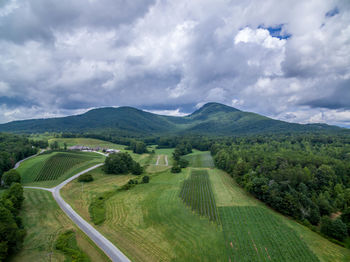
254, 234
57, 165
197, 193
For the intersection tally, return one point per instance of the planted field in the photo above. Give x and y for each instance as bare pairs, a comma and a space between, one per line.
200, 159
58, 164
51, 168
197, 193
252, 232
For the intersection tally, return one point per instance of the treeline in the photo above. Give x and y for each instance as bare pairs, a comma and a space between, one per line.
14, 148
12, 232
305, 177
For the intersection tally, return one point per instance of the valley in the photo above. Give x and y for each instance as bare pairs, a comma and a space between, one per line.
150, 222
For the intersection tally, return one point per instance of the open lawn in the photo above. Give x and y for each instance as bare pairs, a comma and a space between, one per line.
44, 221
199, 159
48, 170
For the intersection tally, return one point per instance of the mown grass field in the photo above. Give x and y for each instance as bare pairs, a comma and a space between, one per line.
200, 159
151, 223
48, 170
90, 142
229, 195
44, 221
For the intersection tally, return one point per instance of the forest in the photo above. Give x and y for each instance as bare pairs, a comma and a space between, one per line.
305, 177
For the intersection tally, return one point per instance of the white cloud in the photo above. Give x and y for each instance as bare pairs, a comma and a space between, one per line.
145, 53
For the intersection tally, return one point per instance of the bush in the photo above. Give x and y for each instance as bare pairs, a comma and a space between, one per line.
67, 243
10, 177
136, 169
145, 179
86, 178
334, 228
176, 169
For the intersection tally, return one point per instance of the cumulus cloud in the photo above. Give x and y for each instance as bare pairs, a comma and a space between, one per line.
285, 59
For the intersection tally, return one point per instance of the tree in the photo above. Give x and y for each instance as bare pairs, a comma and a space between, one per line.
65, 145
54, 145
85, 178
136, 169
334, 228
145, 179
183, 163
10, 177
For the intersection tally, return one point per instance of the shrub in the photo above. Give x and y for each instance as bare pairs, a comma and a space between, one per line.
67, 243
176, 169
85, 178
145, 179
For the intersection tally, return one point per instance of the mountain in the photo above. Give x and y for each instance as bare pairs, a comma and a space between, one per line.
211, 119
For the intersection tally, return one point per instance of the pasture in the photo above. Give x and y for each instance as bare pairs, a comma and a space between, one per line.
52, 168
44, 221
200, 159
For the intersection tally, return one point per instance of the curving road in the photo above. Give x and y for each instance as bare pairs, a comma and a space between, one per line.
110, 250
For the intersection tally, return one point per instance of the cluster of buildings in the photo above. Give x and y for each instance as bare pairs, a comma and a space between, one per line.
92, 149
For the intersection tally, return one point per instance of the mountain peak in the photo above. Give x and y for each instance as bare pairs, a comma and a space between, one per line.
212, 108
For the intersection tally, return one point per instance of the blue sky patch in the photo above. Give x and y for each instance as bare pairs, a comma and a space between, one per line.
332, 12
276, 31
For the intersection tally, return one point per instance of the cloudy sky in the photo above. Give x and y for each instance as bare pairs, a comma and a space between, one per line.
289, 60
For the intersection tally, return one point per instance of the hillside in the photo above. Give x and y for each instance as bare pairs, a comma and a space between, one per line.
212, 118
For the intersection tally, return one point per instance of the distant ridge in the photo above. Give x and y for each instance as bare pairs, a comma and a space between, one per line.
210, 119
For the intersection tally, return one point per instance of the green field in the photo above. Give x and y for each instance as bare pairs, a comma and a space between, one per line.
197, 193
253, 232
90, 142
52, 168
200, 159
44, 221
152, 223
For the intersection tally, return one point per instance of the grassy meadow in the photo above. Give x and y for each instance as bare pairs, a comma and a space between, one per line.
150, 222
44, 222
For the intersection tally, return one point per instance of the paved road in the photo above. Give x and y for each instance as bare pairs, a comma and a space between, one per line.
19, 162
110, 250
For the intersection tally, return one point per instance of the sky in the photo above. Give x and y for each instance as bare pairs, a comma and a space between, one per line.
289, 60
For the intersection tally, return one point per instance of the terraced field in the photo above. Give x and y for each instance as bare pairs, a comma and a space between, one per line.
44, 221
200, 159
50, 169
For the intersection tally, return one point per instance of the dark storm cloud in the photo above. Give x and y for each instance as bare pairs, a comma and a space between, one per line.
38, 19
338, 99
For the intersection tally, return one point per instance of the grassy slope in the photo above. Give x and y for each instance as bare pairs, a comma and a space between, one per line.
200, 159
150, 222
232, 195
90, 142
44, 221
30, 168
